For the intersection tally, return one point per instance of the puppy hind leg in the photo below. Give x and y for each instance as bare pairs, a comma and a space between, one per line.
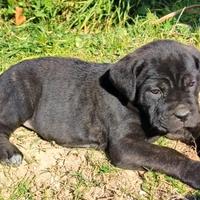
17, 104
9, 153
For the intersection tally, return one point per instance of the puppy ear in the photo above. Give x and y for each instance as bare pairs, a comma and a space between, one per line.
120, 80
197, 62
196, 56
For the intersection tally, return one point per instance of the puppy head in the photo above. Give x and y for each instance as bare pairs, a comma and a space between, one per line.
162, 79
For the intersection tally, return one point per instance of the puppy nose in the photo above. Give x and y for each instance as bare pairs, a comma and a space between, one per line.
182, 111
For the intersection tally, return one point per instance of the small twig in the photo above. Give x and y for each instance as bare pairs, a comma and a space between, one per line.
173, 14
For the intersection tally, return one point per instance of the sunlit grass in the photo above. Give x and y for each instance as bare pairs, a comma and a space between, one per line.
53, 39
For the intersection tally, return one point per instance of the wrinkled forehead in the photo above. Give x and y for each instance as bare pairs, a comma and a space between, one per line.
172, 63
171, 69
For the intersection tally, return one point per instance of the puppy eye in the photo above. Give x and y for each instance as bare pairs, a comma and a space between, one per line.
155, 91
191, 83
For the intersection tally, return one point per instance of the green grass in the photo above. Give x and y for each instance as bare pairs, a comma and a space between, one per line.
42, 39
57, 39
21, 191
93, 15
80, 14
105, 168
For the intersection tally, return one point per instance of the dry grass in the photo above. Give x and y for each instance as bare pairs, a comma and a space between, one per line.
53, 172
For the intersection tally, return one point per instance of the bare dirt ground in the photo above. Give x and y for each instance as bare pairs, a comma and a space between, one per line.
53, 172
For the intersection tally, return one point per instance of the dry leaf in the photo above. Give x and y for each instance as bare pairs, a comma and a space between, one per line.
19, 17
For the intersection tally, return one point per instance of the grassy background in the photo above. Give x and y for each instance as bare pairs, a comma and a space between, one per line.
100, 31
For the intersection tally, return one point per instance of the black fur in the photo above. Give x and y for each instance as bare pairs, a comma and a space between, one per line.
116, 107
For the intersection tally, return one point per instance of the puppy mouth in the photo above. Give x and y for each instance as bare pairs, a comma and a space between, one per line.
160, 126
172, 123
172, 126
183, 135
164, 123
176, 126
179, 132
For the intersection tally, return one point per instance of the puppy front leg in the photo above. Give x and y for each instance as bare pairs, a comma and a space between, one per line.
128, 153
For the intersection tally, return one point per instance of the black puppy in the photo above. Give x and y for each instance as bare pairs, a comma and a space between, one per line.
115, 107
